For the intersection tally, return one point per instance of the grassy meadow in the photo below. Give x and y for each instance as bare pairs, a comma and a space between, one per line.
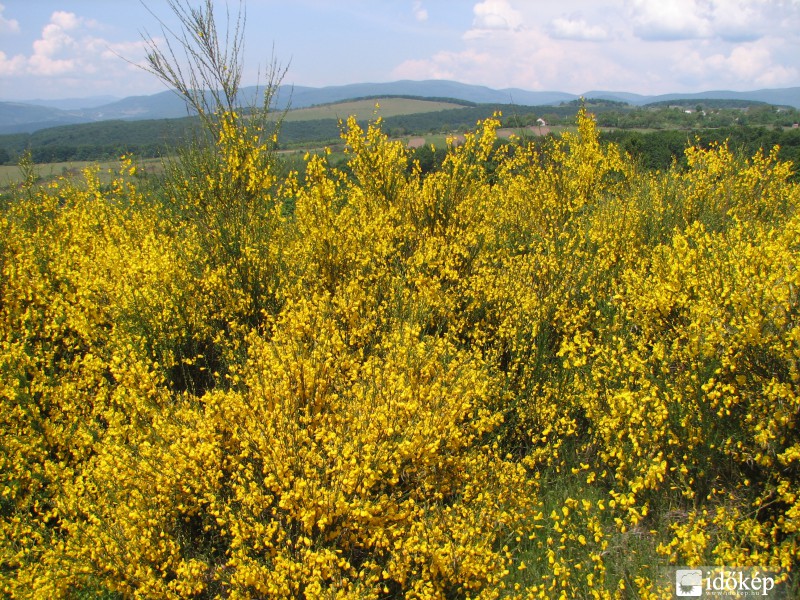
366, 109
11, 176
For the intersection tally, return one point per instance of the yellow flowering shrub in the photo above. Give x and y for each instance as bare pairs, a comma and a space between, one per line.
535, 372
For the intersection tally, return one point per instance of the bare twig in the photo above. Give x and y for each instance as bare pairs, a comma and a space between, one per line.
204, 63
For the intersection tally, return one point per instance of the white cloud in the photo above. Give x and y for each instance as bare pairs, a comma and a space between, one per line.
65, 20
544, 48
68, 55
442, 65
728, 20
670, 20
55, 53
646, 46
577, 29
11, 66
493, 16
738, 20
420, 14
527, 59
7, 25
747, 66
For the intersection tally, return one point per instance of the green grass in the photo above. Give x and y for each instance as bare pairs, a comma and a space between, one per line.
10, 175
365, 109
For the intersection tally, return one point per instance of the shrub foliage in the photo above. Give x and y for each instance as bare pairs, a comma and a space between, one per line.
534, 372
379, 383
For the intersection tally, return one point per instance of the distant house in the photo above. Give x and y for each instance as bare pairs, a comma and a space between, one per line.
795, 125
541, 122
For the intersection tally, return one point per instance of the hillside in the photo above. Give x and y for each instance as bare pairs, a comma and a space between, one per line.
365, 108
657, 133
108, 139
18, 117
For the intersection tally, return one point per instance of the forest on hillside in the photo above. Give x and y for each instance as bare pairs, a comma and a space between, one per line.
653, 135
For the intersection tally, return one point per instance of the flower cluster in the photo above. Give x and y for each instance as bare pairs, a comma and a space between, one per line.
534, 372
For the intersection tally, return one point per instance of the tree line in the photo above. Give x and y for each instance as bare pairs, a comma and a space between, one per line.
654, 136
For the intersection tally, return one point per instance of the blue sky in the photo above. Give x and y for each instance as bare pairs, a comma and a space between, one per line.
72, 48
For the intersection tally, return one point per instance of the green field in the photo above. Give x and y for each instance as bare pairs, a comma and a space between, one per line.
366, 109
656, 142
11, 175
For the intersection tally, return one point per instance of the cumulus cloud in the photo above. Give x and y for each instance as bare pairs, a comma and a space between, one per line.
7, 25
577, 29
493, 19
11, 65
420, 14
690, 45
442, 65
527, 59
55, 53
738, 20
746, 66
673, 20
669, 20
64, 20
69, 54
493, 16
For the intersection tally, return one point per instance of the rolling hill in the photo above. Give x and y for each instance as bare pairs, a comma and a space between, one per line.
16, 117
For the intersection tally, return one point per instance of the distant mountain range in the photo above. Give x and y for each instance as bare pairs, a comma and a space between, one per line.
73, 103
29, 116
